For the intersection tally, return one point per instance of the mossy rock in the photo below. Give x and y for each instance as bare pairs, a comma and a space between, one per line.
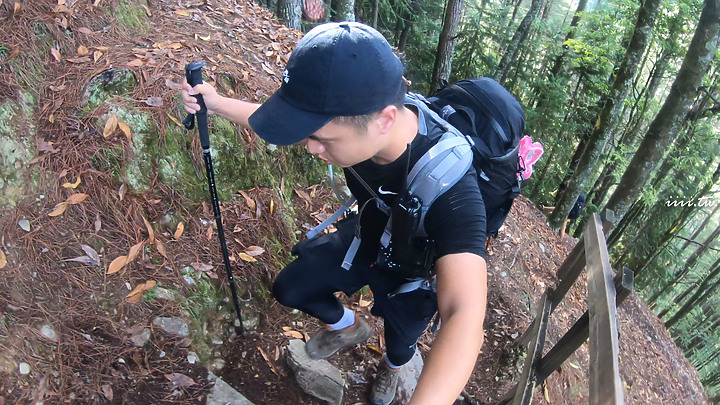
17, 149
107, 85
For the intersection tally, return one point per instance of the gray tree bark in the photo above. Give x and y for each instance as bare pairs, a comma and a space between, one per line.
517, 40
605, 123
343, 10
446, 44
663, 129
290, 11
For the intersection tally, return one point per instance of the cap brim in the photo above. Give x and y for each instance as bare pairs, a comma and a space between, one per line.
278, 122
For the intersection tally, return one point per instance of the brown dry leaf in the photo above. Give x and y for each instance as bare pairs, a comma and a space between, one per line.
154, 101
76, 198
181, 380
272, 206
161, 248
97, 55
108, 392
126, 129
179, 230
55, 53
136, 294
249, 201
305, 197
175, 120
135, 251
151, 232
17, 7
110, 125
82, 50
3, 259
209, 233
254, 250
59, 209
147, 10
364, 303
82, 59
293, 334
184, 13
85, 30
174, 45
173, 85
72, 185
117, 264
267, 360
247, 257
135, 63
122, 191
98, 223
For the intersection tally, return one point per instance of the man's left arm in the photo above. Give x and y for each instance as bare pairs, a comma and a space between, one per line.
462, 296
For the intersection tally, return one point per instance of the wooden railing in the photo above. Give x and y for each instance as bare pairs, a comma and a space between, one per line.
605, 292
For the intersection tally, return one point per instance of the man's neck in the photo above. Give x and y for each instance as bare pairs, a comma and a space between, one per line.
402, 133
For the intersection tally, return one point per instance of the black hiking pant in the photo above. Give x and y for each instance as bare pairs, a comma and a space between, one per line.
309, 284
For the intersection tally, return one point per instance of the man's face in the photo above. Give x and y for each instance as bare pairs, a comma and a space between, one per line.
343, 145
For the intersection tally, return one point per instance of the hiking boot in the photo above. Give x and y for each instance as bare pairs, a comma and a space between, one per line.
385, 385
327, 342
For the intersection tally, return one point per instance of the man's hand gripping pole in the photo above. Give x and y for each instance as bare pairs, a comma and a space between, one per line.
193, 74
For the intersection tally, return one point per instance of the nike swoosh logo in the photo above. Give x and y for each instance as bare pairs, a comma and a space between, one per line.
381, 191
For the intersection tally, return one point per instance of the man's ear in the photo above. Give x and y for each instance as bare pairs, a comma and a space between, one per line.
385, 119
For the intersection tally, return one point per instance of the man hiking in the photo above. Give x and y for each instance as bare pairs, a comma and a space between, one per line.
343, 96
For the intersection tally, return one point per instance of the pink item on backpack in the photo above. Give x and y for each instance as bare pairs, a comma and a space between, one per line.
529, 153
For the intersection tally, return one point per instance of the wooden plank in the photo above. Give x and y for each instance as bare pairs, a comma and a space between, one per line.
526, 384
605, 385
579, 332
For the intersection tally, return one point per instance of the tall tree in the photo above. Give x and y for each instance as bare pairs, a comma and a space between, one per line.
343, 10
664, 127
605, 123
704, 289
511, 52
570, 35
446, 44
290, 11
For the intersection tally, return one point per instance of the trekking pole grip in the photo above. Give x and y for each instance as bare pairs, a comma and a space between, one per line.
193, 75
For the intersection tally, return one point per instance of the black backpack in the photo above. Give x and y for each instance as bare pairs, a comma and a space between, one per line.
485, 111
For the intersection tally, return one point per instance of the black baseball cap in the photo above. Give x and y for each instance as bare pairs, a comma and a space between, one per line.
337, 69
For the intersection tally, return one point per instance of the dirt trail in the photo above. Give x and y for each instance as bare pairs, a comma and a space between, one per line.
90, 358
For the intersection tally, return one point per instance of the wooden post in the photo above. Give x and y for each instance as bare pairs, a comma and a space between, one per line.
579, 332
605, 385
526, 384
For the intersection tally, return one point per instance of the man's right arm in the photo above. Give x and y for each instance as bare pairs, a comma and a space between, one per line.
234, 110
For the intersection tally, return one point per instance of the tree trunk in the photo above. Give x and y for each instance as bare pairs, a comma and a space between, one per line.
375, 11
514, 13
700, 228
679, 222
664, 127
706, 288
343, 10
446, 45
510, 54
688, 265
605, 123
570, 35
677, 300
290, 11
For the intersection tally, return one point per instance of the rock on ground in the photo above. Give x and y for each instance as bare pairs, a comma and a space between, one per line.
172, 326
316, 377
223, 394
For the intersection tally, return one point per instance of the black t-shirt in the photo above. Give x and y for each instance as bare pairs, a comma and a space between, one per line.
455, 220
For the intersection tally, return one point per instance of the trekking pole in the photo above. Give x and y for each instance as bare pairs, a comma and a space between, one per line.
193, 74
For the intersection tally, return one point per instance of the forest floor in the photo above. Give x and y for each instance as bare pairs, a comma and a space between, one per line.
89, 357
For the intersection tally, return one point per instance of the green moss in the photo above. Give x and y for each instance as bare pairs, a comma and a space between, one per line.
131, 15
107, 85
17, 148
